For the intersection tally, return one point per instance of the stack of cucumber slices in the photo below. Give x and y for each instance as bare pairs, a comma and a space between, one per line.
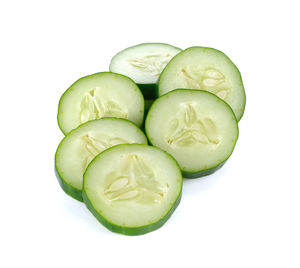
185, 103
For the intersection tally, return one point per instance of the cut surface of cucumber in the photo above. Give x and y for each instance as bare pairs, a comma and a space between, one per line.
196, 127
100, 95
132, 189
144, 63
205, 69
82, 144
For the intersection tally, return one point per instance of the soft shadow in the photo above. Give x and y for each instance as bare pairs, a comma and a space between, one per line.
197, 186
78, 212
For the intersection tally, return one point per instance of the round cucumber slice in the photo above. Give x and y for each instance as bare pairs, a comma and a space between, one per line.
100, 95
132, 189
82, 144
196, 127
144, 63
206, 69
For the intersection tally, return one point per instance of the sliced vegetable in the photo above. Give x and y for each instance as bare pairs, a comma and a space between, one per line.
82, 144
196, 127
206, 69
100, 95
132, 189
144, 63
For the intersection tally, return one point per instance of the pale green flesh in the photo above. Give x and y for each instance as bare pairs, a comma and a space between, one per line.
143, 63
198, 129
205, 69
132, 185
81, 145
100, 95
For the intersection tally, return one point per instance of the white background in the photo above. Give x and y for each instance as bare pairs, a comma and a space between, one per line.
244, 215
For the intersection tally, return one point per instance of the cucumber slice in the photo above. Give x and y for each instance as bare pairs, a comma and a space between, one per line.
82, 144
196, 127
206, 69
132, 189
144, 63
100, 95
